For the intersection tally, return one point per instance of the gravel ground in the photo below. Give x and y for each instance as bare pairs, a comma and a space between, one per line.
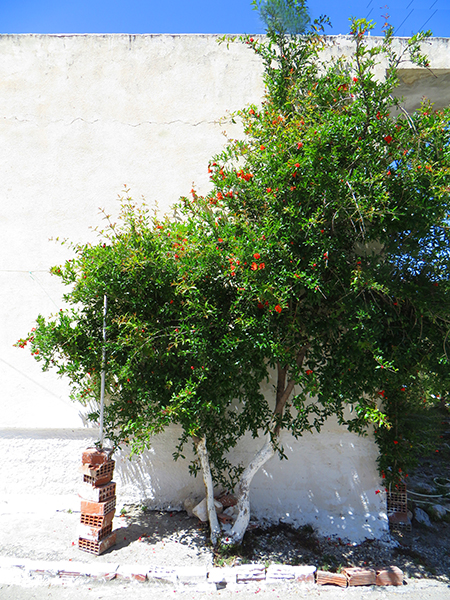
155, 538
162, 539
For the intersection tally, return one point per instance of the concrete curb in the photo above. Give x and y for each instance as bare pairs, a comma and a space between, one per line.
199, 578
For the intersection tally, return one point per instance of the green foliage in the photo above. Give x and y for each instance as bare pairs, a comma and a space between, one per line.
345, 200
173, 356
283, 16
321, 252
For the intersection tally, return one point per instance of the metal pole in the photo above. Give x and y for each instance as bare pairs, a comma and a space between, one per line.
102, 381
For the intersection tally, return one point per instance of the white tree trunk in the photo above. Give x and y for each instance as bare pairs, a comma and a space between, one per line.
243, 491
202, 453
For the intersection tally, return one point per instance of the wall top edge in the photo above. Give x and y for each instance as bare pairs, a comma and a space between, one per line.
187, 35
49, 433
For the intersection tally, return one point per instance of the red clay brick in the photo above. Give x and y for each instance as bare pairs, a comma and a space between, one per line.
360, 576
225, 518
98, 470
92, 456
98, 508
325, 578
227, 500
390, 576
98, 494
94, 533
98, 481
97, 520
94, 547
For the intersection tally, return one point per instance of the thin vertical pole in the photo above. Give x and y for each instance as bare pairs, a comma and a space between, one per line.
102, 381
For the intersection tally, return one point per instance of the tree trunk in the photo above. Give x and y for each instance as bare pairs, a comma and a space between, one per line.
202, 453
284, 390
243, 491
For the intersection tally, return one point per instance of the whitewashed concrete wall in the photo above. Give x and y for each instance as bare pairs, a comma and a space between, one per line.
80, 117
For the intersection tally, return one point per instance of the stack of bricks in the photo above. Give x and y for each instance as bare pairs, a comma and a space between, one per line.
397, 508
98, 502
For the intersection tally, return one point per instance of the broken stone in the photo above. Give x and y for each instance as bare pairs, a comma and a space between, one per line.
189, 505
439, 511
191, 575
132, 572
282, 573
304, 573
201, 512
422, 517
162, 575
231, 511
224, 576
249, 573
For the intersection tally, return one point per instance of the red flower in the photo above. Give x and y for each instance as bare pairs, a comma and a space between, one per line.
395, 442
260, 305
220, 240
262, 266
388, 139
299, 145
355, 79
278, 308
309, 372
256, 256
254, 266
378, 492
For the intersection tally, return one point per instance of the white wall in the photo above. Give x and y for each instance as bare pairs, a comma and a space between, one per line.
80, 116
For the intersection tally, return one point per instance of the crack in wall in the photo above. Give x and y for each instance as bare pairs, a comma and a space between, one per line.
93, 122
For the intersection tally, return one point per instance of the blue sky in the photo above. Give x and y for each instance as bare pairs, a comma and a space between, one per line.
202, 16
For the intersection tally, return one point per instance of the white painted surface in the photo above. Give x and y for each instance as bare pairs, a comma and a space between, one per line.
80, 117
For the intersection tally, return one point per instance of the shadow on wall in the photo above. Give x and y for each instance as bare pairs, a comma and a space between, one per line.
154, 478
329, 481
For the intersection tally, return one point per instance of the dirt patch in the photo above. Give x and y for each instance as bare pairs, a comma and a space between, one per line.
421, 551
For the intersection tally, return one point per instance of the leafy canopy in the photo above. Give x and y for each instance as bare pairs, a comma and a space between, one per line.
283, 16
321, 252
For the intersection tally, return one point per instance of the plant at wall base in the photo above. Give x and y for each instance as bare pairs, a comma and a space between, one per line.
321, 252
